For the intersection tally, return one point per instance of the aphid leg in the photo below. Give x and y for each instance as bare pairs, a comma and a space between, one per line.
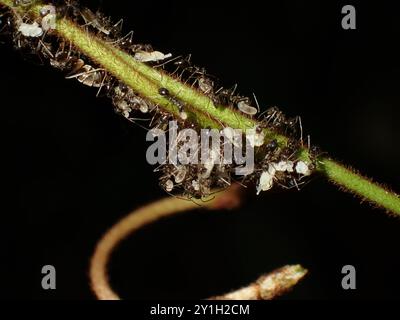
255, 99
128, 38
41, 43
301, 130
101, 84
117, 27
166, 62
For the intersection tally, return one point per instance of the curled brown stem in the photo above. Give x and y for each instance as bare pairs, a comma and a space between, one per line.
266, 287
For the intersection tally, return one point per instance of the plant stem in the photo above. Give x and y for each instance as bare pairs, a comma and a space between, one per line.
146, 81
359, 185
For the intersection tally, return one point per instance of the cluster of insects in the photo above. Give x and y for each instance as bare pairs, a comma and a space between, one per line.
274, 164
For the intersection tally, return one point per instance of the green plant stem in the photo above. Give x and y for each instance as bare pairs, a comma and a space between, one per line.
146, 81
359, 185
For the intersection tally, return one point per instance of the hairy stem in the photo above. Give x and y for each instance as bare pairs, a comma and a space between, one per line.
361, 186
146, 81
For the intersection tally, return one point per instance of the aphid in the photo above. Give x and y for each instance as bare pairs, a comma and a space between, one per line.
283, 166
140, 104
169, 185
30, 30
196, 185
245, 108
123, 108
302, 168
256, 137
266, 179
180, 174
206, 85
94, 20
48, 14
153, 56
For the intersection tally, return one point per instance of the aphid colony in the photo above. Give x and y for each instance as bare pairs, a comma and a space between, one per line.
274, 164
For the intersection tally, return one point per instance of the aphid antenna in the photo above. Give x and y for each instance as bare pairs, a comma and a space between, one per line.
301, 130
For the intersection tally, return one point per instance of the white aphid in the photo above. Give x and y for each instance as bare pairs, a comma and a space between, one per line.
180, 174
123, 108
247, 109
169, 185
143, 106
30, 30
266, 179
195, 185
153, 56
283, 166
48, 12
183, 115
302, 168
256, 139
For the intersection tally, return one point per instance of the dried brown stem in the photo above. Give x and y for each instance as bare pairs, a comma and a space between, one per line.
266, 287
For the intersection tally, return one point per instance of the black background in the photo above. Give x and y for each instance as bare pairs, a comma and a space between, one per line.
74, 167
